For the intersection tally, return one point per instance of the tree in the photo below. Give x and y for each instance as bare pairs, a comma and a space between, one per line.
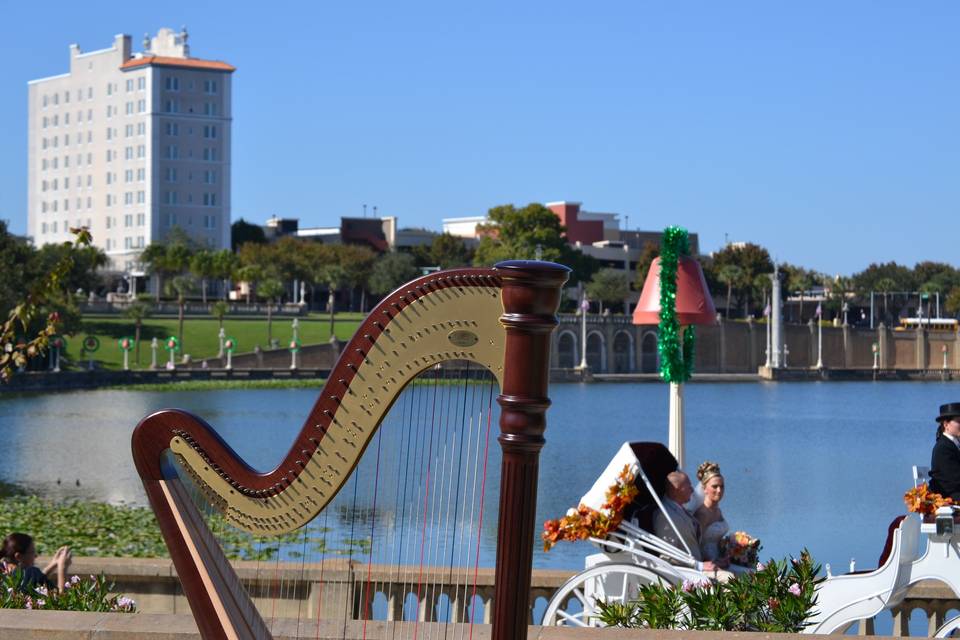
799, 280
87, 261
168, 258
181, 286
251, 274
335, 277
203, 265
138, 312
752, 260
522, 234
271, 289
357, 262
884, 286
903, 278
242, 232
390, 271
730, 275
219, 310
224, 265
34, 309
447, 251
649, 253
610, 286
952, 303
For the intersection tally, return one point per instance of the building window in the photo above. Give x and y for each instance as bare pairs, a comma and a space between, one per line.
209, 199
171, 106
44, 102
210, 177
128, 200
128, 131
140, 197
210, 131
141, 106
172, 128
209, 222
128, 175
56, 99
171, 83
129, 108
141, 128
109, 179
66, 182
210, 108
89, 181
141, 173
128, 153
170, 197
109, 133
210, 86
141, 150
109, 89
128, 219
171, 174
141, 219
172, 152
89, 202
130, 84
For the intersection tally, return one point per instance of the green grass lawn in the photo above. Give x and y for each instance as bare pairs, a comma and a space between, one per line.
199, 336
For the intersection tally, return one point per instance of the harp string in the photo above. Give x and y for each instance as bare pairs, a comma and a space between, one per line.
421, 539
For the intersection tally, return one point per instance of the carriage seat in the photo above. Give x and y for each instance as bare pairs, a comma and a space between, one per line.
887, 547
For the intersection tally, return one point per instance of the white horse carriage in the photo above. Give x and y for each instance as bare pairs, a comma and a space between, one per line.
632, 556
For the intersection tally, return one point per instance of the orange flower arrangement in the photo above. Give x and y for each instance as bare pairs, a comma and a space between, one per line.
923, 501
583, 522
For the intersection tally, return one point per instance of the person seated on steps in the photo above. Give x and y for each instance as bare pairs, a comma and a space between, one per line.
19, 552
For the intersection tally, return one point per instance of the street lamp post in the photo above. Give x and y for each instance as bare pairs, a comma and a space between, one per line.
584, 307
945, 351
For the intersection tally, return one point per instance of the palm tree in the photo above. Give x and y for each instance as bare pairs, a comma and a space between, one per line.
729, 274
181, 285
251, 274
203, 266
885, 286
137, 312
271, 289
219, 310
335, 276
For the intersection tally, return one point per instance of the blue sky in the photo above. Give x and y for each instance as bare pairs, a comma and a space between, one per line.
825, 131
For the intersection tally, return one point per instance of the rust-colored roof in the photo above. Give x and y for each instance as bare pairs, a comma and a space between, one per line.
186, 63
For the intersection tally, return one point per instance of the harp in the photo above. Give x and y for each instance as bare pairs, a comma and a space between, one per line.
500, 318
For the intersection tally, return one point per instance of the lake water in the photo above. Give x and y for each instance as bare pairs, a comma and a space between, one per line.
816, 465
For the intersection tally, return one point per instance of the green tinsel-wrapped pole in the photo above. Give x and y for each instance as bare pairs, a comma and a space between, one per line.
674, 343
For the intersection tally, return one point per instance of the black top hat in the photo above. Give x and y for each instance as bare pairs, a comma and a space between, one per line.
951, 410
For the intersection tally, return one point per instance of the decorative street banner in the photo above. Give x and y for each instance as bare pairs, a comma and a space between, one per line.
126, 344
229, 344
172, 344
91, 344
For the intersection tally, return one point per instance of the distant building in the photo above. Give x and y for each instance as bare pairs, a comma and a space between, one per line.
131, 145
380, 234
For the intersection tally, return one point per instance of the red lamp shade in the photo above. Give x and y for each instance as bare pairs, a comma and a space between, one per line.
694, 304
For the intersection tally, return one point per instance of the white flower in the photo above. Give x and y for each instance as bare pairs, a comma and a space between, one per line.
42, 590
74, 579
124, 602
761, 566
572, 512
41, 602
29, 604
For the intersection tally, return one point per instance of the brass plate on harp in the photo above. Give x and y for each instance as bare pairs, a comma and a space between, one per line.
463, 338
419, 337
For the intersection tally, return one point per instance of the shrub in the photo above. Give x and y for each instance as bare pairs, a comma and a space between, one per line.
78, 595
777, 598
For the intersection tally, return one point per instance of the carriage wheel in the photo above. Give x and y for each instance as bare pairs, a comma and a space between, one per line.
574, 603
947, 628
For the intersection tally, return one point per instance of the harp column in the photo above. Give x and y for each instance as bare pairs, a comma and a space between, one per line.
531, 295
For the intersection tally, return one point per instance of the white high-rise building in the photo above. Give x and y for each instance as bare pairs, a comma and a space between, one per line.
131, 145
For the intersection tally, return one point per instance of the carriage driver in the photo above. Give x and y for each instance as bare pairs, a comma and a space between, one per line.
945, 459
678, 493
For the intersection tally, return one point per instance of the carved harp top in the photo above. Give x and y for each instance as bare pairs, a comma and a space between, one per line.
454, 315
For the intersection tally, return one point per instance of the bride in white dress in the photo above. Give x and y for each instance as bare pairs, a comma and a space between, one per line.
712, 525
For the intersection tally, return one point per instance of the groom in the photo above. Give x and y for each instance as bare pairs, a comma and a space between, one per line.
678, 493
